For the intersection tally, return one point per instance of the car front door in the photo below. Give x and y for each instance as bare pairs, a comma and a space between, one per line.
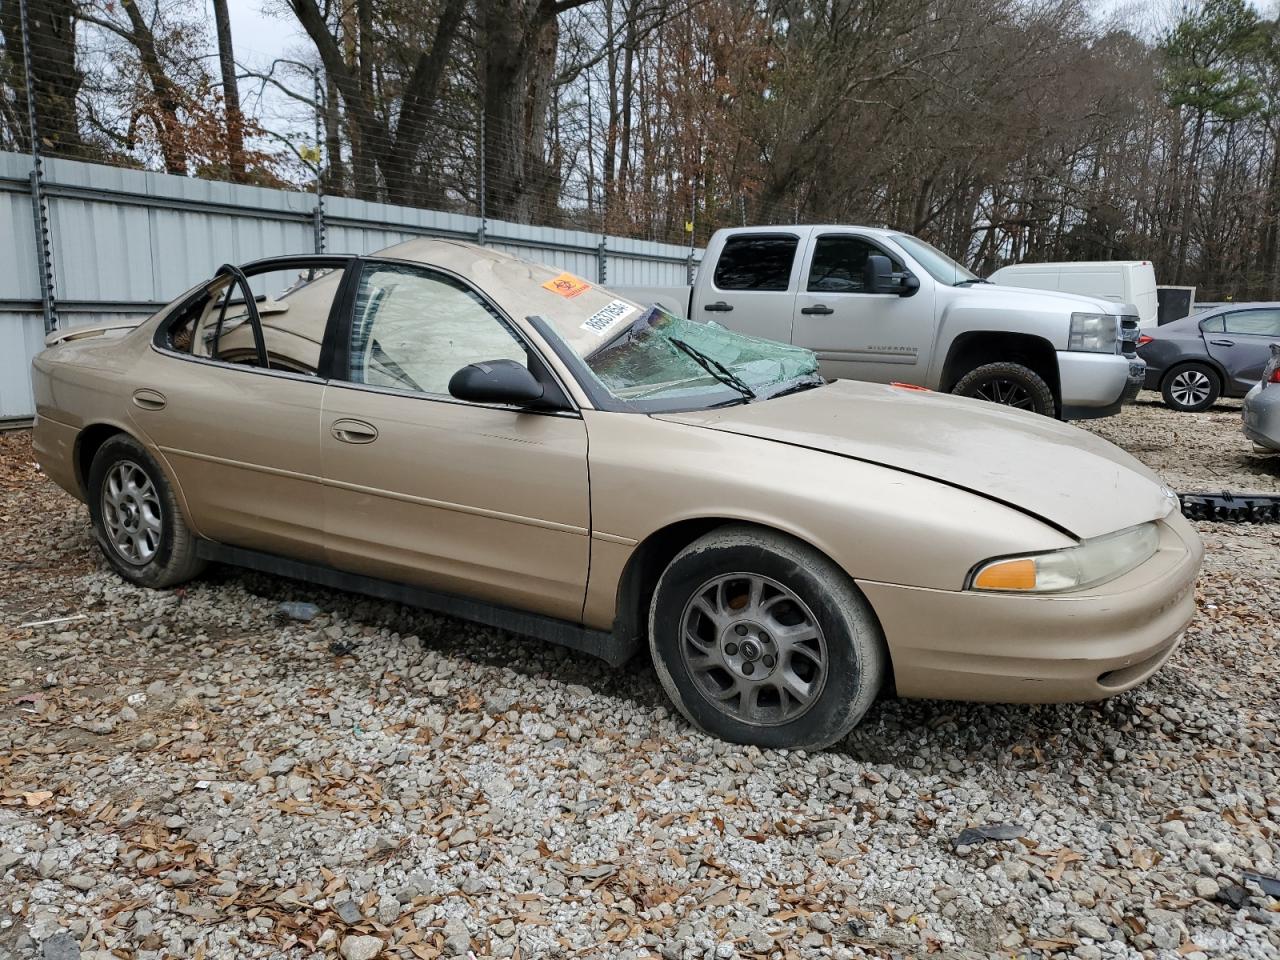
1242, 344
486, 501
856, 334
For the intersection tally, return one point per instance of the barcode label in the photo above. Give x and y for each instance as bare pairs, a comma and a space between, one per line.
602, 320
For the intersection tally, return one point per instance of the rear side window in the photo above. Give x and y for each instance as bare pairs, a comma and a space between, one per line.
756, 263
293, 309
1213, 325
1259, 323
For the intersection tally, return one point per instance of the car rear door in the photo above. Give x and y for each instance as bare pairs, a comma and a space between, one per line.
1243, 345
856, 334
242, 436
485, 501
753, 282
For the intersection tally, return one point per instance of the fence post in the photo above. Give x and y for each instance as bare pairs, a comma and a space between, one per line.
480, 181
39, 203
602, 260
317, 214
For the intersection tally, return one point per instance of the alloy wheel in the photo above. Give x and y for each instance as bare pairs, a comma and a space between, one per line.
1007, 392
1189, 388
754, 649
131, 513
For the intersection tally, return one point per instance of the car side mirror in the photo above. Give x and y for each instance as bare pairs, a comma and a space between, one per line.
878, 276
496, 381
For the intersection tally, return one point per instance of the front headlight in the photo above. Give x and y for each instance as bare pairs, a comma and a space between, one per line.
1094, 332
1087, 563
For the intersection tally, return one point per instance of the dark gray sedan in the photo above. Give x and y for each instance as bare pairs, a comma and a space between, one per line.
1221, 352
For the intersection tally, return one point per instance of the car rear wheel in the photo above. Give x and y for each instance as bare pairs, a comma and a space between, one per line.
759, 638
136, 518
1009, 384
1191, 387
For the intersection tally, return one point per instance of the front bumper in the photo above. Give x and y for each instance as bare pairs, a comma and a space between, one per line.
1097, 384
1008, 648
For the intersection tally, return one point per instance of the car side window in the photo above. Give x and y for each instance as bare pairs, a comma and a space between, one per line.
1213, 325
1258, 323
413, 329
756, 263
217, 325
838, 262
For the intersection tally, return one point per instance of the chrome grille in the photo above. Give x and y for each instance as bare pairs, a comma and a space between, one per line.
1128, 344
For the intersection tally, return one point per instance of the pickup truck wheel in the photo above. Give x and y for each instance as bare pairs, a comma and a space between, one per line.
136, 517
759, 638
1191, 387
1010, 384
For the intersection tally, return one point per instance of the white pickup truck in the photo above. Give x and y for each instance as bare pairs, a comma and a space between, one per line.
886, 306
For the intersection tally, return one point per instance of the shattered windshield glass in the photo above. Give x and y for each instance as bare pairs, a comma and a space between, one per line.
683, 363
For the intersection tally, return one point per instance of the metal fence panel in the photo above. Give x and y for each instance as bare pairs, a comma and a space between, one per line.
126, 241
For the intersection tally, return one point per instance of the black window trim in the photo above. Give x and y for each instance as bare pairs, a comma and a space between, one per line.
762, 235
335, 346
870, 241
160, 339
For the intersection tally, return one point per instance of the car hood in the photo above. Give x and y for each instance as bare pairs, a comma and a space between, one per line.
1001, 292
1064, 475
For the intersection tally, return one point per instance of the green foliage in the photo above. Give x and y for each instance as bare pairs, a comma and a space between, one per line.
1210, 58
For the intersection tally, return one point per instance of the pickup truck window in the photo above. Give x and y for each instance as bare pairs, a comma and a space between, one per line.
761, 262
941, 267
838, 261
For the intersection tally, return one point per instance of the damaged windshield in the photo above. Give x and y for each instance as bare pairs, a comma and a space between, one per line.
663, 362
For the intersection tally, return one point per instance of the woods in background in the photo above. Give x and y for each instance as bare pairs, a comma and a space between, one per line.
1001, 130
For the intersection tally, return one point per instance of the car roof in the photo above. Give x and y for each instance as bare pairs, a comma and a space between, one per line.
1248, 305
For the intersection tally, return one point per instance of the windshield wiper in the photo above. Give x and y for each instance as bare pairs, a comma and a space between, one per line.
715, 368
961, 283
808, 383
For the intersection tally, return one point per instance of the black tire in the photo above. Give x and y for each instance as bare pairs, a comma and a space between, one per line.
849, 637
169, 554
1009, 384
1191, 387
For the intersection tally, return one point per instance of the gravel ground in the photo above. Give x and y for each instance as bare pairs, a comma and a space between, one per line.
182, 774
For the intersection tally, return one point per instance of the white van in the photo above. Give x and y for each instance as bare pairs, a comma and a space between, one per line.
1120, 281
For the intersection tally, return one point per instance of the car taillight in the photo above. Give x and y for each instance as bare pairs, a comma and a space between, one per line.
1144, 339
1275, 376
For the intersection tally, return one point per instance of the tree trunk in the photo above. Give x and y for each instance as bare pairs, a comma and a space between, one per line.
57, 80
230, 92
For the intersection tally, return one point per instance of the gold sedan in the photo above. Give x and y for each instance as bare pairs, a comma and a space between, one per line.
449, 426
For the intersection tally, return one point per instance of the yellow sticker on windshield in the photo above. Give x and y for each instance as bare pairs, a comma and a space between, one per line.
567, 285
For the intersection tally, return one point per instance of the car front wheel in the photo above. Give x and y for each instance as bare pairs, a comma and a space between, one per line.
136, 518
1009, 384
1191, 387
759, 638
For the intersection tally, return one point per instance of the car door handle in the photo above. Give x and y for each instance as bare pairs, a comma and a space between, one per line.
354, 431
1223, 343
819, 308
718, 307
149, 399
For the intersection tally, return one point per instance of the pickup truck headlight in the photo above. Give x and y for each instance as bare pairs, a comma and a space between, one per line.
1088, 563
1094, 332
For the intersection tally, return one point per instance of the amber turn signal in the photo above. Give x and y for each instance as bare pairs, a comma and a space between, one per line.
1008, 575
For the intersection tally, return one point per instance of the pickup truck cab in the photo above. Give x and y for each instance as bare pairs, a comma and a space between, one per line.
884, 306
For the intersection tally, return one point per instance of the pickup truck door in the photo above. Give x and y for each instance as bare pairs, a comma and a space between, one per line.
1241, 341
753, 283
859, 335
